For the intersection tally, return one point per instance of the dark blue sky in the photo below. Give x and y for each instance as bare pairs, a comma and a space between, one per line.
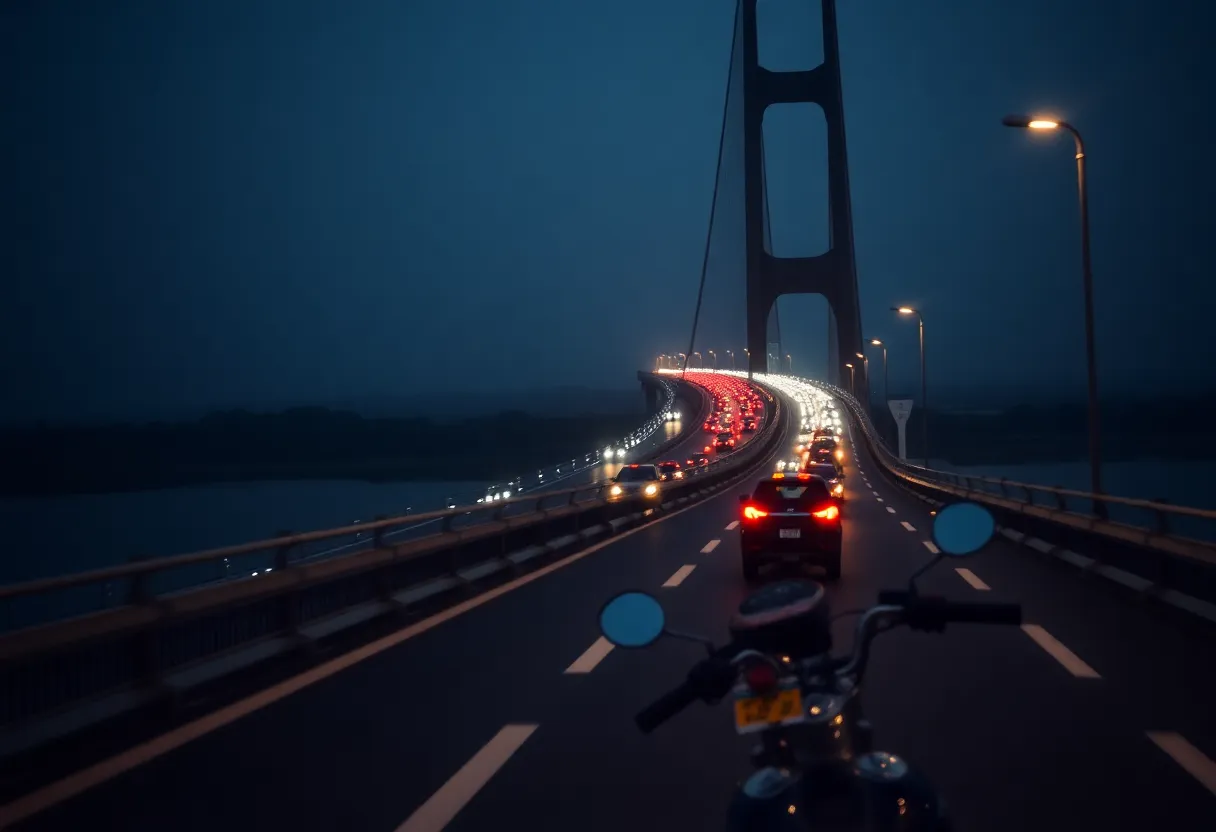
243, 202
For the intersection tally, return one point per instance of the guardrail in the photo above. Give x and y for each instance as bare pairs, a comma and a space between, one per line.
63, 676
1140, 536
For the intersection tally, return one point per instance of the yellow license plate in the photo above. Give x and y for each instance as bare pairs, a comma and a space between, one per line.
757, 712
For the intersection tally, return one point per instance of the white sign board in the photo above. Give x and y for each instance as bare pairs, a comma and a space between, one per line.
901, 409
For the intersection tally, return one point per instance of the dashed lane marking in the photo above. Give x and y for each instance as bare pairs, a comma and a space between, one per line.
1195, 762
710, 546
732, 525
907, 525
1071, 661
593, 656
973, 579
681, 573
929, 545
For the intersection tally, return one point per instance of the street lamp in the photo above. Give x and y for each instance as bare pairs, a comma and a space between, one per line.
1087, 278
683, 364
702, 359
924, 396
878, 343
851, 379
714, 357
731, 353
789, 358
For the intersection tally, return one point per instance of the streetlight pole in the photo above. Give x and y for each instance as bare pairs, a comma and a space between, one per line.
865, 365
924, 395
1087, 280
790, 359
731, 353
876, 342
683, 364
701, 357
714, 357
851, 380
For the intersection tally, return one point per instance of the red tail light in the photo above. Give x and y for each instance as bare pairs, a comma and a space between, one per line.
829, 513
753, 513
761, 678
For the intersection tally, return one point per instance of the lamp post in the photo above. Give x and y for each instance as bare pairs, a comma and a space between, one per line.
1087, 280
865, 365
790, 359
924, 395
683, 364
731, 353
878, 343
851, 378
714, 358
701, 358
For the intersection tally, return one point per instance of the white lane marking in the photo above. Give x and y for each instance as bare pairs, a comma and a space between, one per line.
455, 794
929, 545
875, 493
681, 573
593, 656
1071, 661
972, 578
907, 525
1195, 762
710, 546
878, 498
732, 525
98, 773
890, 510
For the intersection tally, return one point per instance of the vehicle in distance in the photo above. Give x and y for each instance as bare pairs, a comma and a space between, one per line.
697, 460
724, 441
670, 470
830, 475
790, 518
826, 450
750, 423
633, 481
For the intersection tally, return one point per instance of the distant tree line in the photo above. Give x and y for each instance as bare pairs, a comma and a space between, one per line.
301, 443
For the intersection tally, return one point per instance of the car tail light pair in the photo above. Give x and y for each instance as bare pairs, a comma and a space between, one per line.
826, 515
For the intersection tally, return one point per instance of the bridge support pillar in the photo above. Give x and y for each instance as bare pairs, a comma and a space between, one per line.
832, 274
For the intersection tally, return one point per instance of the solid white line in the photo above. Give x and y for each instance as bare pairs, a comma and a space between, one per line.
732, 525
1197, 764
681, 573
972, 578
1071, 661
710, 546
593, 656
890, 510
455, 794
907, 525
929, 545
98, 773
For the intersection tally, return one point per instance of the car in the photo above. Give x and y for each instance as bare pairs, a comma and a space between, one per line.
750, 423
636, 480
826, 450
670, 470
725, 441
829, 474
697, 460
790, 517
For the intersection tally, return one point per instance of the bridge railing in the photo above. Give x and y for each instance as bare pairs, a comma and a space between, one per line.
59, 676
1161, 544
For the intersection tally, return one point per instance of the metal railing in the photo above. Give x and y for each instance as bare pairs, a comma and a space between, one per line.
59, 676
1159, 541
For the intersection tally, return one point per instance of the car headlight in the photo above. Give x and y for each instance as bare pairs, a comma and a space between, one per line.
840, 455
838, 490
679, 475
615, 491
608, 454
620, 451
651, 490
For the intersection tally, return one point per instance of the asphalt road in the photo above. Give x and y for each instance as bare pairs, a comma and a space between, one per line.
478, 722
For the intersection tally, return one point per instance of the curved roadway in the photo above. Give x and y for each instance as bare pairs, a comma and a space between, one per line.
508, 713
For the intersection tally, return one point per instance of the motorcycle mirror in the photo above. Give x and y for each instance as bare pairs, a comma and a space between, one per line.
962, 529
632, 619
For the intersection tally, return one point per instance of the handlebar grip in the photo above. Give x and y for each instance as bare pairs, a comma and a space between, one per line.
980, 613
667, 706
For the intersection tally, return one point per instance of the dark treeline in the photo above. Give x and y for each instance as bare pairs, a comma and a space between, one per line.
301, 443
1180, 428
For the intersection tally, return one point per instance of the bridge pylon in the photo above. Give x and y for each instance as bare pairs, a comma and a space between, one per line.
832, 274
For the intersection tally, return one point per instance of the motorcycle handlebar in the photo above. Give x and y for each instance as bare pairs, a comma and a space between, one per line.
667, 706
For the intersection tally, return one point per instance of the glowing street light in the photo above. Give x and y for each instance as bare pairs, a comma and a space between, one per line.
851, 379
1087, 280
924, 396
714, 358
878, 343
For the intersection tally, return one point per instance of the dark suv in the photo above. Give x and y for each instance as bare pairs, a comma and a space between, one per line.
790, 517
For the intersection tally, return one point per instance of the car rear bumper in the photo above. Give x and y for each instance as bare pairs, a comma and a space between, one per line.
817, 547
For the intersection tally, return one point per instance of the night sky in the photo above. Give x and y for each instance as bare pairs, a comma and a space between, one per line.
268, 202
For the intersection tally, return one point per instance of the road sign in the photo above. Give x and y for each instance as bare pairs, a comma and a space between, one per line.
901, 409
